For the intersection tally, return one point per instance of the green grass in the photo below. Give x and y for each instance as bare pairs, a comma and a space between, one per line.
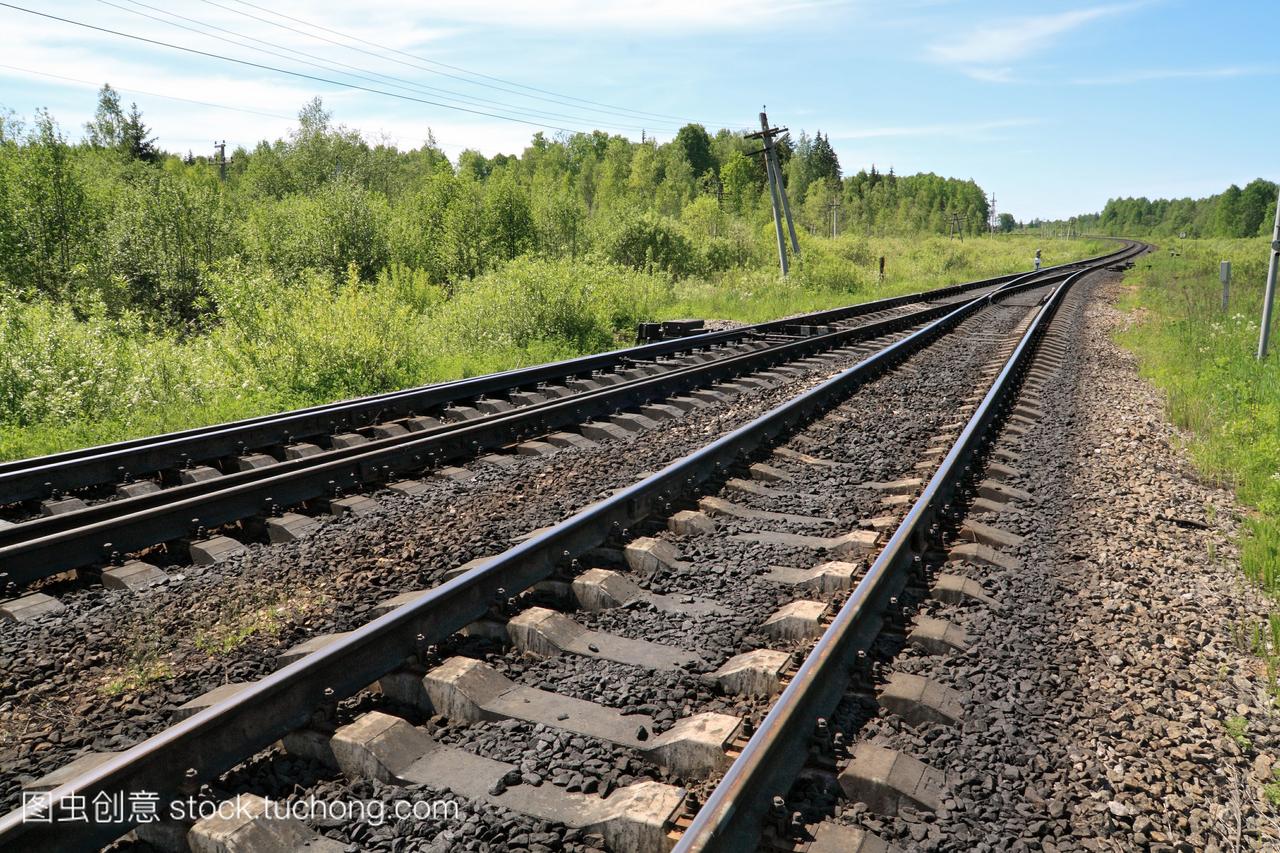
255, 615
1203, 359
1226, 401
73, 375
1238, 730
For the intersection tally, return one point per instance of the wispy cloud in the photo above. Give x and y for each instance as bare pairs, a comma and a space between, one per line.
953, 130
987, 52
576, 15
1144, 75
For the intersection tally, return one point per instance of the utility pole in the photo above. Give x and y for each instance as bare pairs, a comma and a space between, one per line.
992, 214
835, 215
222, 160
1269, 298
777, 216
777, 192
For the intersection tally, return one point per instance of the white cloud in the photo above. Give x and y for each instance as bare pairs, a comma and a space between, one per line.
85, 59
1149, 74
986, 52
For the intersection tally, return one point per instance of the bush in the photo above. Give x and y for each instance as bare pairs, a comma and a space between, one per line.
721, 253
572, 305
163, 233
339, 224
650, 243
311, 341
819, 270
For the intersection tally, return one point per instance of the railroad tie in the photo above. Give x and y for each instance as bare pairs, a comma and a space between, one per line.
468, 690
390, 750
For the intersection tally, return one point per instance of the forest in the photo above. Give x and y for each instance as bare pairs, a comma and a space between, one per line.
143, 290
115, 218
1233, 213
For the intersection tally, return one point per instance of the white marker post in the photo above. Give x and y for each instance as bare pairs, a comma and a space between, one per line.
1269, 298
1224, 275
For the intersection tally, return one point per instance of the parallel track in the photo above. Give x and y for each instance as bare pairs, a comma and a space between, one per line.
107, 531
81, 471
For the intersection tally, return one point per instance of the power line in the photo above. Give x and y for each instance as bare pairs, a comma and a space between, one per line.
299, 74
148, 94
130, 91
606, 107
327, 65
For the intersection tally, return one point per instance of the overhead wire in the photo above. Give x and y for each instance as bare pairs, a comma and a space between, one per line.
299, 74
132, 91
325, 64
556, 97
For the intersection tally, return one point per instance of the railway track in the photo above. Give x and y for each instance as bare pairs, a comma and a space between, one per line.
138, 466
115, 511
686, 600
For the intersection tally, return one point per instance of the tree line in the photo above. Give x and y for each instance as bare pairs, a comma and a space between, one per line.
1235, 212
113, 219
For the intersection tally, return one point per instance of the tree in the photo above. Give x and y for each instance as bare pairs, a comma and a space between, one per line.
473, 164
1255, 198
134, 141
508, 221
1006, 223
738, 177
696, 144
560, 218
107, 128
823, 162
1227, 214
52, 213
111, 128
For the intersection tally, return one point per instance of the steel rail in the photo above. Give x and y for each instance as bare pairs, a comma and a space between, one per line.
38, 477
103, 532
733, 815
174, 761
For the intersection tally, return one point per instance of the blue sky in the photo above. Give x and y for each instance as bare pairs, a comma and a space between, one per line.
1054, 106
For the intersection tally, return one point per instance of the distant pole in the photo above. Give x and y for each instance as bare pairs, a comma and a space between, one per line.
835, 212
1224, 274
881, 268
222, 160
1268, 301
992, 218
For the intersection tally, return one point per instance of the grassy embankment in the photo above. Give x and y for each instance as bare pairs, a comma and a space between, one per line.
1227, 402
72, 376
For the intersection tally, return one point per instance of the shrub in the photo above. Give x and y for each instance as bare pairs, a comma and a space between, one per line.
339, 224
650, 243
311, 340
572, 305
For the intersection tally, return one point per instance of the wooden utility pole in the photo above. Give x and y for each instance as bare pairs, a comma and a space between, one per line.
835, 216
222, 160
1269, 295
777, 191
